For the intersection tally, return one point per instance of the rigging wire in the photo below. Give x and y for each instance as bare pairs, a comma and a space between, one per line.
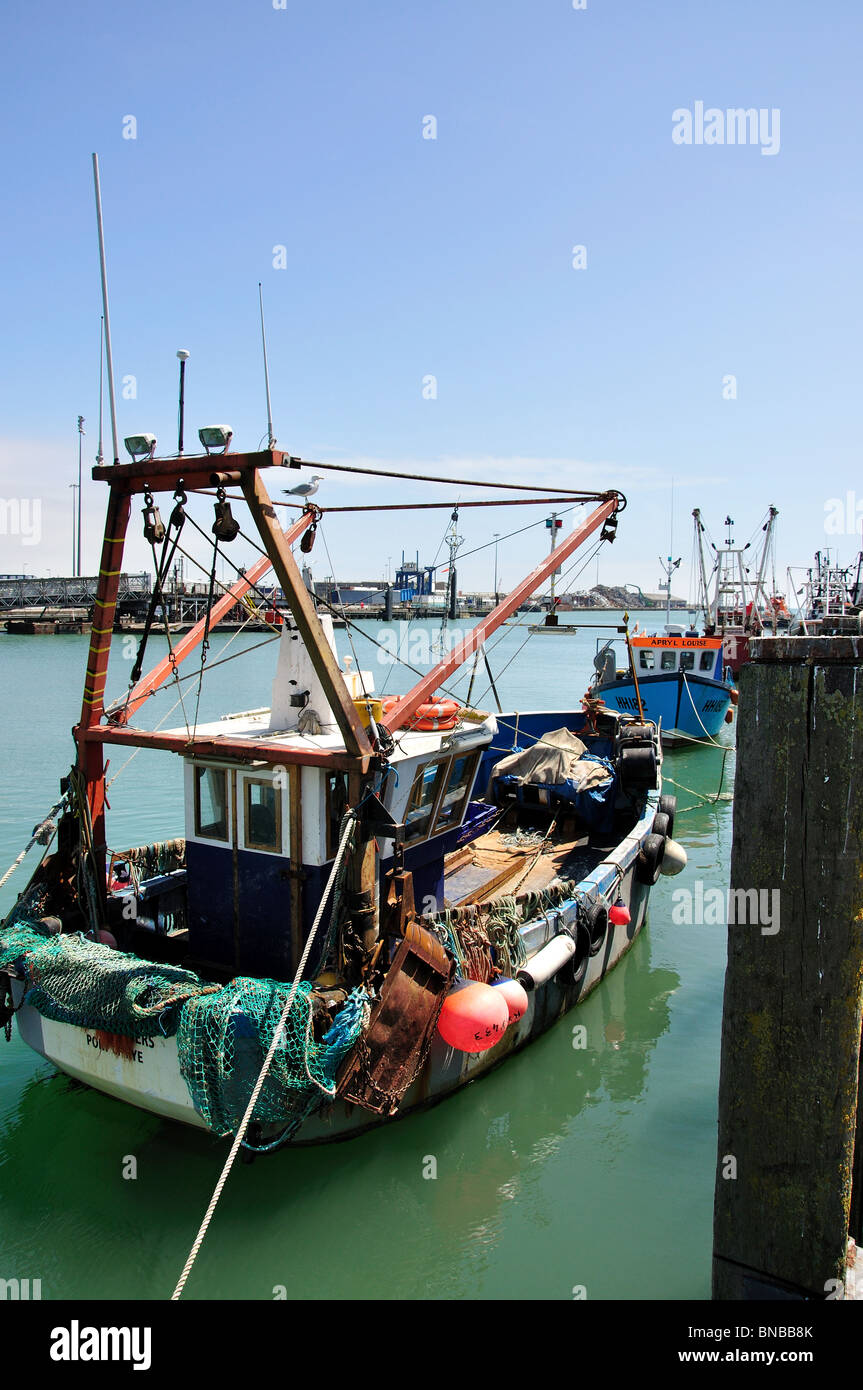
357, 666
350, 624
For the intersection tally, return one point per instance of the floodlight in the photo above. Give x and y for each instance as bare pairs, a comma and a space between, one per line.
216, 437
140, 445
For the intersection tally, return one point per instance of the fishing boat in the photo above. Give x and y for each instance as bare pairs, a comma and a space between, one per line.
732, 597
675, 678
830, 597
374, 901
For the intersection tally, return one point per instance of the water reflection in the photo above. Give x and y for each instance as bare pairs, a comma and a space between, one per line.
363, 1207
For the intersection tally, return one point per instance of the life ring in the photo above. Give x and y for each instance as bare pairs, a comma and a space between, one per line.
429, 718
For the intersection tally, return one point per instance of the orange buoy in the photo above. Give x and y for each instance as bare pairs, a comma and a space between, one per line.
106, 939
474, 1016
515, 996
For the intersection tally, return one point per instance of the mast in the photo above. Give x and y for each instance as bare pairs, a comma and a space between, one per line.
105, 315
668, 567
762, 560
702, 568
271, 441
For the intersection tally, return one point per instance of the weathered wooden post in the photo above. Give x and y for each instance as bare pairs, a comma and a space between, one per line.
788, 1093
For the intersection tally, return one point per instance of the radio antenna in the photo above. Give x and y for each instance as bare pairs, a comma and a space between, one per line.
271, 439
100, 457
98, 193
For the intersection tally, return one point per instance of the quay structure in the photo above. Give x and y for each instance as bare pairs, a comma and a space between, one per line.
789, 1179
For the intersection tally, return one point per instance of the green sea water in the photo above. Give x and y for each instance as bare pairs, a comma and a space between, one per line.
567, 1169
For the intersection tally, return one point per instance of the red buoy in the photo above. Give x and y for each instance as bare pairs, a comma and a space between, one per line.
474, 1017
619, 915
515, 996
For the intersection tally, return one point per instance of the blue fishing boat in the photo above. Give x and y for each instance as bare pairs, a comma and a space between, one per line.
677, 679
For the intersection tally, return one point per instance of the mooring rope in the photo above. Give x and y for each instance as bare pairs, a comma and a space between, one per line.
43, 835
244, 1124
709, 737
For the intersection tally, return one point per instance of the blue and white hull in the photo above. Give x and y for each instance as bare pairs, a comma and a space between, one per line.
689, 706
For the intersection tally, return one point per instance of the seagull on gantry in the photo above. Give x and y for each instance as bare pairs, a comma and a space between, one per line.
304, 489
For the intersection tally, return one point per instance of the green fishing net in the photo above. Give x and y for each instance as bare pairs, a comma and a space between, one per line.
223, 1031
72, 980
224, 1038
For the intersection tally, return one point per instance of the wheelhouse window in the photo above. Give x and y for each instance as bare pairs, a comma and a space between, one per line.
707, 660
669, 661
211, 803
456, 792
687, 661
422, 800
647, 660
262, 816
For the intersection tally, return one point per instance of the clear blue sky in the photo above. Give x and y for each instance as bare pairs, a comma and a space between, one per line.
405, 257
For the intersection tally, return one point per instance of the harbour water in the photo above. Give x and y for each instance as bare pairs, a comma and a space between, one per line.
583, 1167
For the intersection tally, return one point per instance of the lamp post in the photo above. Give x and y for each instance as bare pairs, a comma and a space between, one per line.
183, 355
74, 487
496, 539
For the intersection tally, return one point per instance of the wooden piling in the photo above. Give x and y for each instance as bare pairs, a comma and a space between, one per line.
788, 1094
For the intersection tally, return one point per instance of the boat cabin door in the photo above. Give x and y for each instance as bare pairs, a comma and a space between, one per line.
243, 857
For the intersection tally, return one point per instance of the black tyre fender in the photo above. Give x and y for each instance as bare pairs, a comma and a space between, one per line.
648, 865
595, 918
668, 805
575, 969
661, 825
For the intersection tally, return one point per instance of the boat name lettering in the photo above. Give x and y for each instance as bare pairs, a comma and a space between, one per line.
131, 1051
675, 642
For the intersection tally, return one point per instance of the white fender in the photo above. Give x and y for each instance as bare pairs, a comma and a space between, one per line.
675, 858
547, 961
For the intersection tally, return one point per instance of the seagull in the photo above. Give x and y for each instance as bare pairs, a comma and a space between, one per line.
304, 489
